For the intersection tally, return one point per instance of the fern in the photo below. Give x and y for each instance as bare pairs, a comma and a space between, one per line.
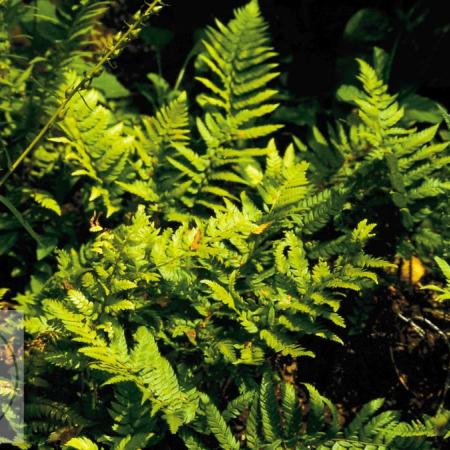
270, 416
45, 200
161, 165
237, 98
320, 426
219, 428
73, 23
443, 293
99, 148
377, 155
221, 257
237, 55
81, 443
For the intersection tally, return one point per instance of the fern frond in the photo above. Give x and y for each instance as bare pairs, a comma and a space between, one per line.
270, 415
99, 148
77, 22
169, 127
442, 293
283, 344
45, 199
219, 428
237, 54
81, 443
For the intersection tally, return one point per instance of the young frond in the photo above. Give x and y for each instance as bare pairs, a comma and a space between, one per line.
169, 127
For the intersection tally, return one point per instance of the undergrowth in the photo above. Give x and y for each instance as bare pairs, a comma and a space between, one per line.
171, 261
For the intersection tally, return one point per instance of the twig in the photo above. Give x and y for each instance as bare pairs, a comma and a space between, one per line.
422, 334
420, 331
399, 374
447, 343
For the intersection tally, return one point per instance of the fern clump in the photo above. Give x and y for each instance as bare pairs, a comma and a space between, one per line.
377, 157
180, 163
182, 259
233, 290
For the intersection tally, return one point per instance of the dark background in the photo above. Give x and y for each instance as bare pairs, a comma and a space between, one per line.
308, 34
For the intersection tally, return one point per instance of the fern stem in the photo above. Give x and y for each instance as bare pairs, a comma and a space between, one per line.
133, 29
182, 72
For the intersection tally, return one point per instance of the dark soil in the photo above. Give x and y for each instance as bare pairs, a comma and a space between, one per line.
405, 361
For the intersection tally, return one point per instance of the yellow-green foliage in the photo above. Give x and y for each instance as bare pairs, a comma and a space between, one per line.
194, 255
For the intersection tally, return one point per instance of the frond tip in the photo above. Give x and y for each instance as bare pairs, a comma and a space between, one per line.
238, 56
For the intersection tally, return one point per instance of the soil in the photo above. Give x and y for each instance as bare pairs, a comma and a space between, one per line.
402, 354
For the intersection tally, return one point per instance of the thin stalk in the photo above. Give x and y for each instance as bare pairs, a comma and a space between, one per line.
123, 39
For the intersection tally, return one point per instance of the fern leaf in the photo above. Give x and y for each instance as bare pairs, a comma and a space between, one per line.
81, 443
46, 200
270, 415
220, 293
219, 427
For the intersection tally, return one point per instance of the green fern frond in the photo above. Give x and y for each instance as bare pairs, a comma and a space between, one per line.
99, 149
442, 293
45, 199
132, 419
168, 128
77, 21
219, 427
81, 443
270, 415
283, 344
237, 55
253, 426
